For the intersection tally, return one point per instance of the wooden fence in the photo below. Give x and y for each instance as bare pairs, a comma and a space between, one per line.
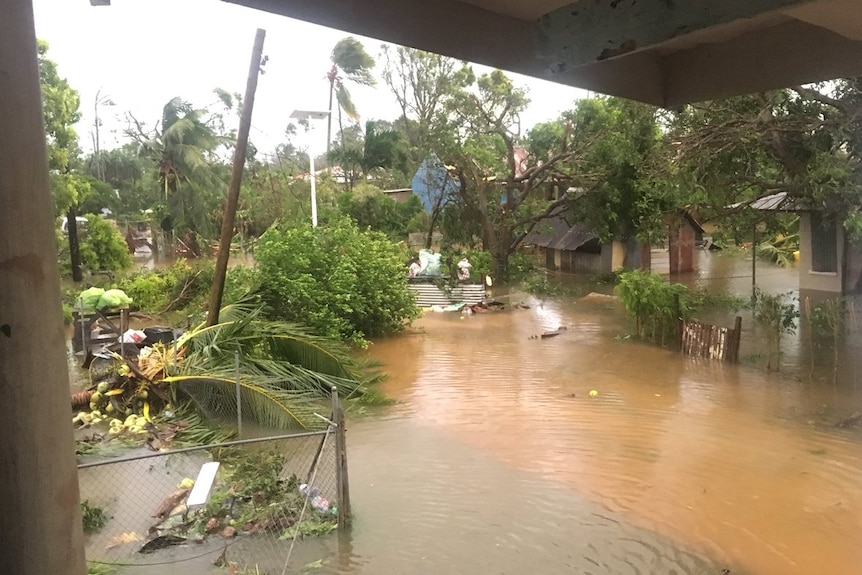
710, 341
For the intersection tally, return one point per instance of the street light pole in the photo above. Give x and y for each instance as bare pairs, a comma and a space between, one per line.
308, 115
313, 189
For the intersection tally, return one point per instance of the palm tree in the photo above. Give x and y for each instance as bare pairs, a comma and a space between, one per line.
182, 146
350, 62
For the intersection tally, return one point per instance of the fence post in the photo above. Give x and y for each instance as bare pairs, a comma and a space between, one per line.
341, 477
737, 336
238, 397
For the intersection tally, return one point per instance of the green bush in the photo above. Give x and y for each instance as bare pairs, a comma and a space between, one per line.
101, 244
340, 281
240, 281
653, 303
181, 286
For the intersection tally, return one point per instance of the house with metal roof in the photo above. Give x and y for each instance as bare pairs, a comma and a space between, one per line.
829, 262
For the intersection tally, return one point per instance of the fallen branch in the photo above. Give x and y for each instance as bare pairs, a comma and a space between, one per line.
183, 293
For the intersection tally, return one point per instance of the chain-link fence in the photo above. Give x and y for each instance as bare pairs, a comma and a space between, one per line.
155, 509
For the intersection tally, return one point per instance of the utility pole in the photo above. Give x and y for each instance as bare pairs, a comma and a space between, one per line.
97, 146
239, 157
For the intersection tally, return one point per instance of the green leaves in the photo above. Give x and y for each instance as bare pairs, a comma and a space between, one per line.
284, 369
340, 281
351, 58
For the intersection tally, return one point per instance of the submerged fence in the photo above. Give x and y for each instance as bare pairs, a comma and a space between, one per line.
241, 504
710, 341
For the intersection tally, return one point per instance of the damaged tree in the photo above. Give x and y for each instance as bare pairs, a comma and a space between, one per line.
511, 184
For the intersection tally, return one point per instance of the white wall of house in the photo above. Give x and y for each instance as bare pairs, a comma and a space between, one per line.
809, 278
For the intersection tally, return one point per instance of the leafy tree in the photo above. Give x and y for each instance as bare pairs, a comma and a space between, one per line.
504, 184
365, 156
423, 83
60, 108
622, 182
103, 247
132, 177
337, 279
350, 63
804, 141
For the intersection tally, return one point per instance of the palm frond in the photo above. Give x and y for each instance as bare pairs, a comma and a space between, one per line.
342, 96
350, 56
285, 370
262, 401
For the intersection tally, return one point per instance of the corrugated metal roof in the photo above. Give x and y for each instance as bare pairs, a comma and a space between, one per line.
779, 202
428, 294
557, 233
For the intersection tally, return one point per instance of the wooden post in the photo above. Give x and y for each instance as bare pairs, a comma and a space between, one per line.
341, 477
38, 475
737, 337
239, 158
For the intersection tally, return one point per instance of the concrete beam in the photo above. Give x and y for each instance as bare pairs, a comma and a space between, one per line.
41, 514
680, 51
787, 54
589, 31
448, 27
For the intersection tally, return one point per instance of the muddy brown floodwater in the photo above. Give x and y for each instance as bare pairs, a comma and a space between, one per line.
713, 461
497, 460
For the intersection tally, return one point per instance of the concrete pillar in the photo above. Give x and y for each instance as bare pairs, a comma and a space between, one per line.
39, 509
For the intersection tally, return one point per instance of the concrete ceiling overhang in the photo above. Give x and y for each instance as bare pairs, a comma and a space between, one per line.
664, 52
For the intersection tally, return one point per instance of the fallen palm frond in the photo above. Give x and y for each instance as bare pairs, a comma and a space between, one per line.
284, 374
284, 371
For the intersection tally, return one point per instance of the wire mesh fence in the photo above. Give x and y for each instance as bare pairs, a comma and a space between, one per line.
155, 509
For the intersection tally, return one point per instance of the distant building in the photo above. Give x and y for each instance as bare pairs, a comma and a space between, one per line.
829, 262
573, 248
433, 183
400, 195
684, 231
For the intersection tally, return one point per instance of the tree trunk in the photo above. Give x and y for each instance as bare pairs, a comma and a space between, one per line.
500, 264
74, 244
329, 117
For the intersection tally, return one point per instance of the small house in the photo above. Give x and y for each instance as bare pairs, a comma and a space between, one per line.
684, 233
829, 263
400, 195
573, 248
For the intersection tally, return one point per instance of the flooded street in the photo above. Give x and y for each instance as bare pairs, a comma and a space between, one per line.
495, 459
694, 466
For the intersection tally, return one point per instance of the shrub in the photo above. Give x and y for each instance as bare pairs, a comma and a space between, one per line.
182, 285
340, 281
655, 304
101, 244
777, 314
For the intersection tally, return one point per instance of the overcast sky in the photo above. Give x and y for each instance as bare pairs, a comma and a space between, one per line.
142, 53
